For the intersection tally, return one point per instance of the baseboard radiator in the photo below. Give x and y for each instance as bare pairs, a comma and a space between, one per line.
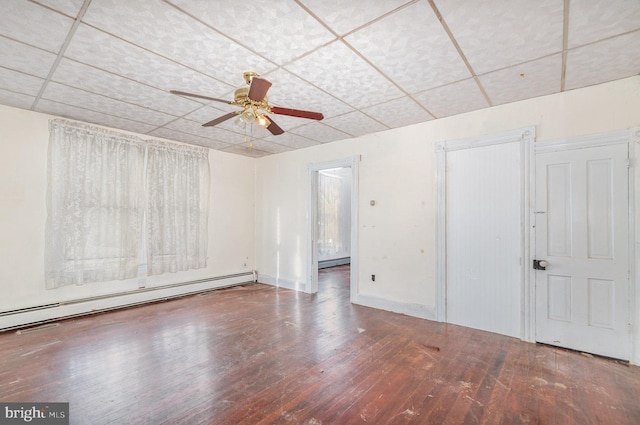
323, 264
41, 314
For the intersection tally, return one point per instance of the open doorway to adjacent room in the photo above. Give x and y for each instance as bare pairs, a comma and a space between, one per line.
332, 255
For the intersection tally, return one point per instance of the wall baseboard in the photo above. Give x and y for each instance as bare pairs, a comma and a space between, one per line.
64, 310
410, 309
282, 283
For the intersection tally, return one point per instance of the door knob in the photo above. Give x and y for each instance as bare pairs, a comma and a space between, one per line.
540, 264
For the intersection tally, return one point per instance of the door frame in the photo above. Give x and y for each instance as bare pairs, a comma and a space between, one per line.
312, 221
630, 137
526, 137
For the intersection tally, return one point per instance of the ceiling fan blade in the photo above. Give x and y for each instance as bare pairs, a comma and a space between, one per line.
274, 128
199, 96
297, 113
258, 89
220, 119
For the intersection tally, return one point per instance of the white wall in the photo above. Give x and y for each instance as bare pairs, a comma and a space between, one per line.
397, 170
24, 138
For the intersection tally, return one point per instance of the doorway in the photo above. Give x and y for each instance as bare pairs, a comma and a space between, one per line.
323, 246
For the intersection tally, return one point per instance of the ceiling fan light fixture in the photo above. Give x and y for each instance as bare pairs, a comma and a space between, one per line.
263, 121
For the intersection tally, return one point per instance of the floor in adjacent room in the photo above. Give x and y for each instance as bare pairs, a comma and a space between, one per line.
255, 354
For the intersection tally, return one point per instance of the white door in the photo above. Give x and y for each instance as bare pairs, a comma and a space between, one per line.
582, 231
483, 228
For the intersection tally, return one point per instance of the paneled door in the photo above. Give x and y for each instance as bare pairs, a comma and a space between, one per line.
582, 237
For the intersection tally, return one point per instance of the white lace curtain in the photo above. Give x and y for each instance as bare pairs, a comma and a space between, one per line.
102, 188
334, 214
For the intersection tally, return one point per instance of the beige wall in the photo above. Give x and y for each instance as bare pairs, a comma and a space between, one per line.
24, 137
397, 170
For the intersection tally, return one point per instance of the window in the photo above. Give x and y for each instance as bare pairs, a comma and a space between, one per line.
116, 202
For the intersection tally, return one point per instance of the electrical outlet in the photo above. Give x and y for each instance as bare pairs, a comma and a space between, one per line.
373, 277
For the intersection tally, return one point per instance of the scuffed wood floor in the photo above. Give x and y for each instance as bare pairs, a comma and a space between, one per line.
259, 355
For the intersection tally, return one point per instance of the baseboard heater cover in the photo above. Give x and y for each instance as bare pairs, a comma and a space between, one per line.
31, 316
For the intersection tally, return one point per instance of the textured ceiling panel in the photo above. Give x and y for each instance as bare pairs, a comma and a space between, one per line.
456, 98
103, 51
17, 100
356, 123
213, 133
279, 30
245, 150
341, 72
21, 57
95, 102
160, 28
292, 140
427, 58
494, 34
387, 113
399, 61
591, 20
270, 147
293, 92
179, 136
34, 25
68, 7
82, 114
524, 81
320, 132
604, 61
106, 84
19, 82
344, 16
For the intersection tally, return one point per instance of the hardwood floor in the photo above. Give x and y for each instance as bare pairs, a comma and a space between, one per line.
255, 354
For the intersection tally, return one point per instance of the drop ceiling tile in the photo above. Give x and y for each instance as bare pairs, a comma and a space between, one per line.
97, 81
495, 34
591, 21
355, 123
456, 98
289, 91
278, 30
17, 100
291, 140
191, 139
68, 7
343, 17
339, 71
94, 102
75, 113
320, 132
212, 133
268, 146
208, 112
246, 151
20, 83
33, 24
95, 48
541, 77
411, 47
398, 112
603, 61
159, 27
24, 58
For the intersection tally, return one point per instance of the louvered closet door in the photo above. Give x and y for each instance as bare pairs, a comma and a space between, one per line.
582, 231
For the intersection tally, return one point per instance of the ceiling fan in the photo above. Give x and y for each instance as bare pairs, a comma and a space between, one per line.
254, 104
